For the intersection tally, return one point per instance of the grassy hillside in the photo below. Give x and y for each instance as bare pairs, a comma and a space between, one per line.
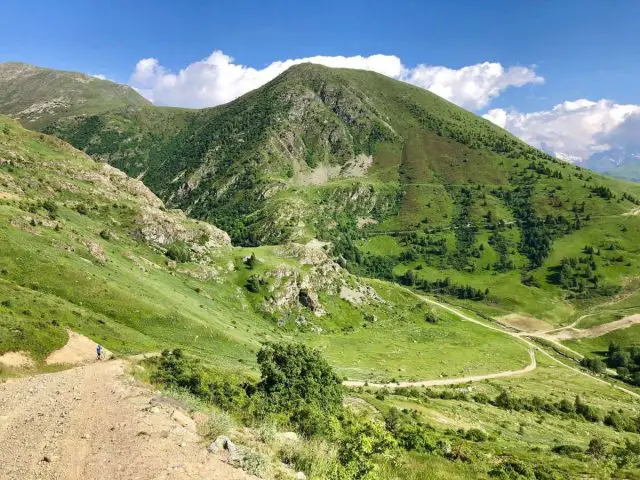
37, 96
84, 246
405, 185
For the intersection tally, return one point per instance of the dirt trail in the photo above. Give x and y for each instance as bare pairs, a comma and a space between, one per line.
78, 350
95, 422
521, 336
451, 381
570, 333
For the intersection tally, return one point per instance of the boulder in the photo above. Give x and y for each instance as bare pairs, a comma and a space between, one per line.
224, 443
183, 420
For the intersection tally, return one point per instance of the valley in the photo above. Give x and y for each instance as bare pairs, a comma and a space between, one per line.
454, 291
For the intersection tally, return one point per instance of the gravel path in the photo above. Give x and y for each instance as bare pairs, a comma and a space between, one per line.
570, 332
96, 422
450, 381
521, 336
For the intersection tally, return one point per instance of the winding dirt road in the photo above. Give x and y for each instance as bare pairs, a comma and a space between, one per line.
450, 381
570, 332
521, 336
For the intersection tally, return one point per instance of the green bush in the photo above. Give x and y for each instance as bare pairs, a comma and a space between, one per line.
567, 449
180, 252
476, 435
312, 421
362, 442
410, 433
615, 420
250, 261
252, 462
51, 208
295, 377
316, 458
253, 284
173, 369
594, 364
219, 423
513, 470
596, 448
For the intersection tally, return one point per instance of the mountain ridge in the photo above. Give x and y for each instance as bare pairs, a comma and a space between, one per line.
402, 184
37, 95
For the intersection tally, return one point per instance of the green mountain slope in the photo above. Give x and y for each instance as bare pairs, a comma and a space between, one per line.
404, 184
86, 247
36, 96
313, 134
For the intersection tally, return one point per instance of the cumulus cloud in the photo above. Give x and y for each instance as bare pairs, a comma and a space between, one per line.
474, 86
572, 130
99, 76
626, 135
218, 79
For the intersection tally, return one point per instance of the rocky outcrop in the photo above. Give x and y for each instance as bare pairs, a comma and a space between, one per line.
161, 227
292, 289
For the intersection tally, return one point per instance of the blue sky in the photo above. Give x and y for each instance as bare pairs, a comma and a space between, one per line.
583, 49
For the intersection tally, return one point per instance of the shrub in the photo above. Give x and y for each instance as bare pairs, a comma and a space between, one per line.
176, 370
311, 421
587, 411
410, 433
615, 420
567, 449
476, 435
82, 209
316, 458
294, 377
596, 448
503, 400
267, 430
513, 469
253, 284
594, 364
250, 261
180, 252
105, 234
431, 317
361, 443
219, 423
252, 462
51, 208
481, 398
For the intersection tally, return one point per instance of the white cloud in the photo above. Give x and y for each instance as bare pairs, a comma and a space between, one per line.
217, 79
99, 76
572, 130
474, 86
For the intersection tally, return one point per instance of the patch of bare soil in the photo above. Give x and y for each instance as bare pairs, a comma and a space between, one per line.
16, 360
95, 422
78, 350
598, 331
524, 323
363, 222
8, 196
633, 211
